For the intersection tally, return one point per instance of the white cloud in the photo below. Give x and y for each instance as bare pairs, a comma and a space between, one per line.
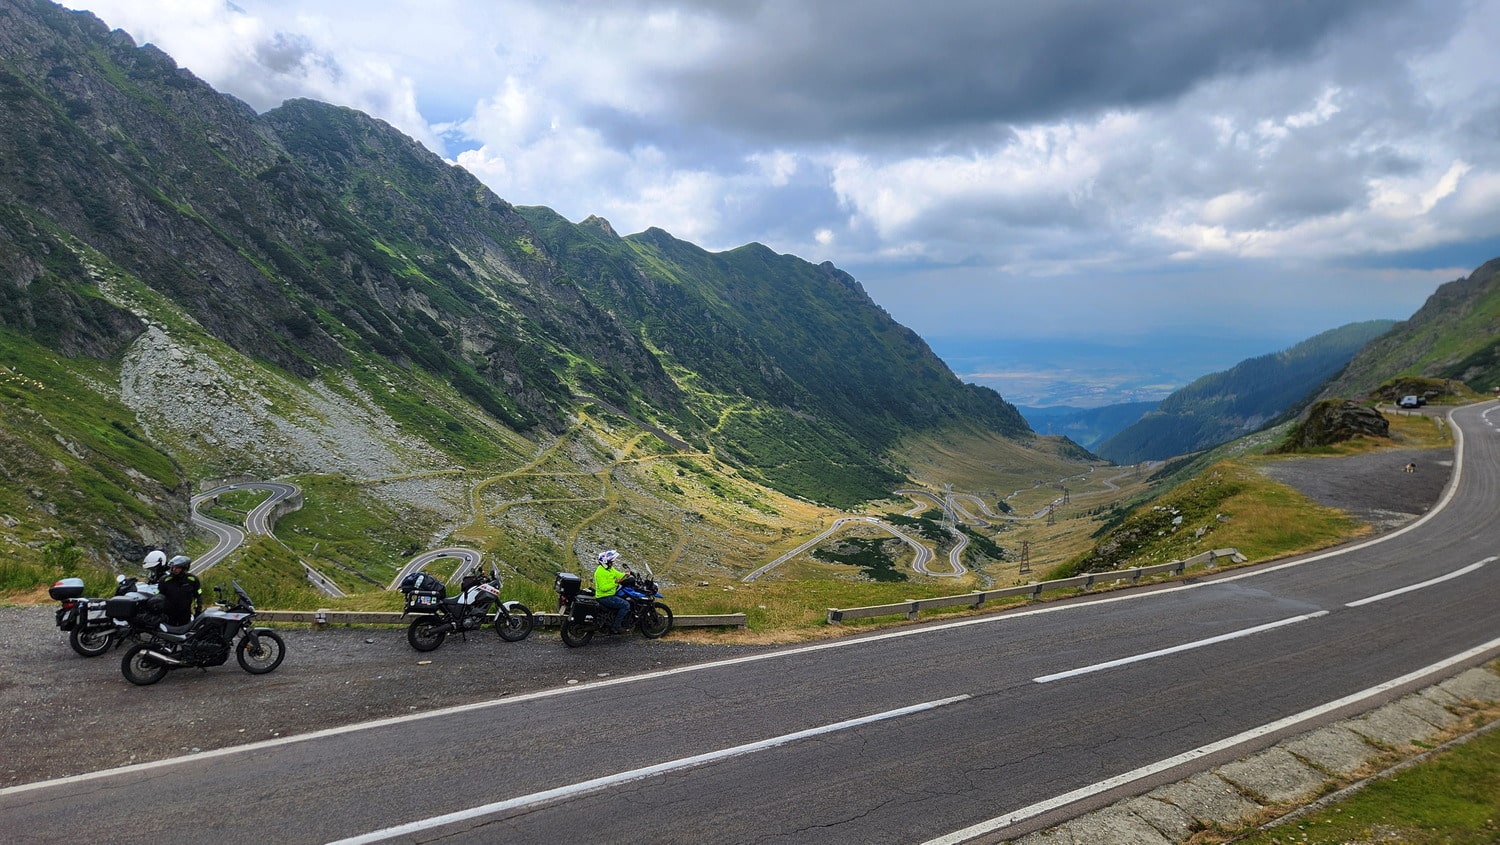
958, 156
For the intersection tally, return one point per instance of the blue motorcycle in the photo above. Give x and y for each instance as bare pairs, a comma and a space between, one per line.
583, 616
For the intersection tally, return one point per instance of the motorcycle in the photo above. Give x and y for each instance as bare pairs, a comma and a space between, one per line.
203, 642
477, 604
583, 616
91, 631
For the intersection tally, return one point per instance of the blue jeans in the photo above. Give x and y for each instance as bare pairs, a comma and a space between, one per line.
619, 606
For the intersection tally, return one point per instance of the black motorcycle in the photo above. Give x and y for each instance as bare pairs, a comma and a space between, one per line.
91, 631
477, 604
583, 615
206, 641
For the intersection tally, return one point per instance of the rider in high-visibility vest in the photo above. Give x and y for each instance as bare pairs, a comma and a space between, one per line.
607, 586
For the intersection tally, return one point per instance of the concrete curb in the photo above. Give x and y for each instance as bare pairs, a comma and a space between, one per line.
1264, 784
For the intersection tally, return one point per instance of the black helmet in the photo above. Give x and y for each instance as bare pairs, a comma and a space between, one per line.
179, 560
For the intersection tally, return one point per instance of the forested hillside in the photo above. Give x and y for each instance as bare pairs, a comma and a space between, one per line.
1222, 406
1454, 335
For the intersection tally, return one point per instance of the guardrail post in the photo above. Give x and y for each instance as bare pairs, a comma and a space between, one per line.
835, 616
978, 599
1089, 583
1036, 591
1209, 564
320, 618
911, 612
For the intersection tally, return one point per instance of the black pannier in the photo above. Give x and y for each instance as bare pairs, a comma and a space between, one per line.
123, 607
568, 584
423, 601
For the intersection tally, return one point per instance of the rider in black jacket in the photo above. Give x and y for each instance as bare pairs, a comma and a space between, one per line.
182, 591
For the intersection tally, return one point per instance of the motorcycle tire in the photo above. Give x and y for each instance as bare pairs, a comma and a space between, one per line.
262, 657
514, 623
576, 635
656, 621
139, 668
421, 636
91, 642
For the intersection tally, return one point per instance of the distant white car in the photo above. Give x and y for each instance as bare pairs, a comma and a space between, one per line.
1410, 402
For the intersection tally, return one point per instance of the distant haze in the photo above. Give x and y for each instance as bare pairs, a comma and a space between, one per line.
1083, 374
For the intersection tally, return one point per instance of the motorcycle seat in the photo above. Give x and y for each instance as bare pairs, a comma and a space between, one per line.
177, 629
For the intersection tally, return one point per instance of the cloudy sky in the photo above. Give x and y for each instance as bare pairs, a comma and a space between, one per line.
1073, 201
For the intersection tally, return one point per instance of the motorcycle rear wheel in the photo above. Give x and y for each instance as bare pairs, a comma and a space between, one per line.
91, 642
421, 636
656, 621
139, 668
514, 623
262, 657
576, 635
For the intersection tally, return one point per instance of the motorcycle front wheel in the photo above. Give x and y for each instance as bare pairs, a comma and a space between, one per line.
139, 668
91, 642
575, 634
656, 620
514, 623
420, 633
263, 656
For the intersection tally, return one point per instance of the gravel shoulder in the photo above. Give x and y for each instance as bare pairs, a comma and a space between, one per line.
1374, 488
62, 714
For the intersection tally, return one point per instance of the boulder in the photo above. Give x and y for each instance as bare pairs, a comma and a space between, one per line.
1334, 421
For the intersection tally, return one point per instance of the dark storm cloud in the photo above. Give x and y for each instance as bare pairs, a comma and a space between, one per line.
849, 68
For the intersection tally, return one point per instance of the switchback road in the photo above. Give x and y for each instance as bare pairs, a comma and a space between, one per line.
946, 732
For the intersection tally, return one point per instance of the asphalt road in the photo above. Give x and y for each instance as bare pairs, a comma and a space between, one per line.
994, 724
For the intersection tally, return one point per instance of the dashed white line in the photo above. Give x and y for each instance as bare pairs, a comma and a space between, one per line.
1136, 658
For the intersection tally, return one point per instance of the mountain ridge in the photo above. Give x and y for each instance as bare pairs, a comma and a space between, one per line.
1219, 407
310, 291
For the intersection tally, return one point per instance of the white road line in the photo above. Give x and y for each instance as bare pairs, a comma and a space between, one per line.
1438, 580
1232, 635
999, 619
1067, 798
635, 774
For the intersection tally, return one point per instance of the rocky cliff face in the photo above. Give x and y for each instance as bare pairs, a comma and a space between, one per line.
309, 291
1335, 421
1454, 335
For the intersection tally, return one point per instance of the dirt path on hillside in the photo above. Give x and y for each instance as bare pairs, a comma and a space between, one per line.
62, 714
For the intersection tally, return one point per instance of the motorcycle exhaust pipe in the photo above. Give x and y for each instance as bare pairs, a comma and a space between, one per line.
445, 628
162, 658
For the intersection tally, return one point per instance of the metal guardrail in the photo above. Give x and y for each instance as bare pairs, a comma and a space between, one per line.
543, 620
1034, 590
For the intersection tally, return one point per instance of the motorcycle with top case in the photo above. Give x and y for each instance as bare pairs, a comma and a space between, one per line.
583, 615
91, 631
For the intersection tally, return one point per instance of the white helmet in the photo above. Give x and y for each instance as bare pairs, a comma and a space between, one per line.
609, 557
155, 559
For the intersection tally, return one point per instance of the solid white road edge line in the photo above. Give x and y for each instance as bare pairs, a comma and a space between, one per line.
1438, 580
1448, 494
635, 774
1232, 635
1063, 800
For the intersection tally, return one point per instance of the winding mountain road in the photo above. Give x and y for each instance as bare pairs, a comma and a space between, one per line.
961, 731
